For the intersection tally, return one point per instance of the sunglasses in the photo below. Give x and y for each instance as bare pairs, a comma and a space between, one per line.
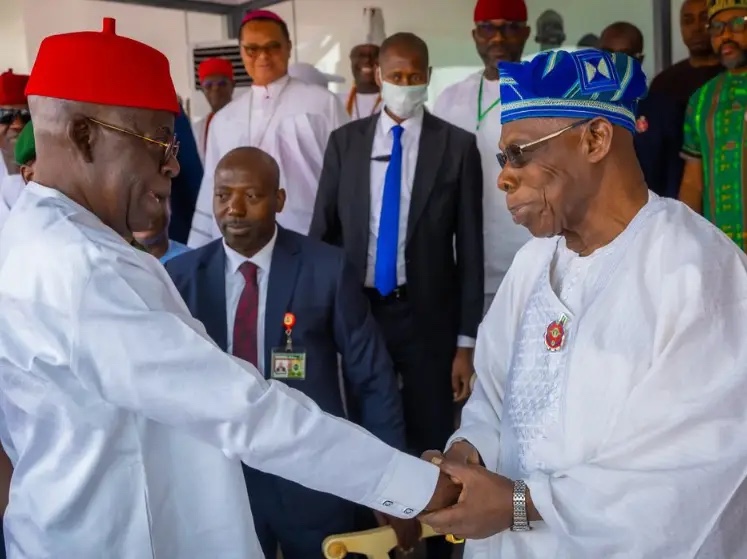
9, 116
735, 25
221, 82
488, 30
516, 153
170, 148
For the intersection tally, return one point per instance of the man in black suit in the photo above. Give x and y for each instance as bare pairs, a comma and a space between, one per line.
401, 192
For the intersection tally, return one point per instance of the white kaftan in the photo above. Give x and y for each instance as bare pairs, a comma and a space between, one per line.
364, 104
125, 423
457, 104
290, 120
10, 189
632, 436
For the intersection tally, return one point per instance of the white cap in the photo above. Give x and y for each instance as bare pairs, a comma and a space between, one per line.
309, 73
372, 28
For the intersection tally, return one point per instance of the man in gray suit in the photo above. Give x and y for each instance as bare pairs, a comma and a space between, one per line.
401, 192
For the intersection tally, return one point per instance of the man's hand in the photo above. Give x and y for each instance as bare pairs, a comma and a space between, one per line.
484, 507
461, 373
461, 451
408, 531
445, 494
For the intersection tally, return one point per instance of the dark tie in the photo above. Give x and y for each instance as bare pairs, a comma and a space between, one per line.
385, 268
245, 324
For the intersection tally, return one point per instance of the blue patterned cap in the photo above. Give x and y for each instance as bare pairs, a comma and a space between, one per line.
586, 83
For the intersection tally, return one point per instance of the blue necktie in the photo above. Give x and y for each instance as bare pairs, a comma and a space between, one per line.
385, 272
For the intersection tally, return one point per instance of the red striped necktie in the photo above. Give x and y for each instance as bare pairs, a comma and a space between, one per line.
245, 324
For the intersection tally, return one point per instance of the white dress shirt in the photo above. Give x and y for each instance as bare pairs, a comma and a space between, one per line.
125, 422
235, 283
382, 145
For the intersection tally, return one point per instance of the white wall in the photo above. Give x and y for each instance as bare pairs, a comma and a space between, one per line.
13, 52
170, 31
445, 25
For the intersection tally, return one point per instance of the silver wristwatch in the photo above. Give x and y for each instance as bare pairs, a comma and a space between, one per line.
521, 522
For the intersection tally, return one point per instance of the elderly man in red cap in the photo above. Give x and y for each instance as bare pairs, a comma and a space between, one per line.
500, 33
217, 83
14, 114
124, 421
285, 117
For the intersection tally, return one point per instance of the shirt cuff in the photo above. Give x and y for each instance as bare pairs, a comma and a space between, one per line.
465, 341
485, 441
406, 488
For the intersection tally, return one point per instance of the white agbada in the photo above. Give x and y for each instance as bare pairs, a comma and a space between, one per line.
457, 104
125, 423
289, 119
11, 187
632, 436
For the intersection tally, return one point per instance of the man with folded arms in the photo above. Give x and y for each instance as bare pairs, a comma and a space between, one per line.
124, 421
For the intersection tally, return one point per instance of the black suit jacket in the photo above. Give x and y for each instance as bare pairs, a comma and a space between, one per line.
444, 244
658, 143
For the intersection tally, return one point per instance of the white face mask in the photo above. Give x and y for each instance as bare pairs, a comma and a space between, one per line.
403, 100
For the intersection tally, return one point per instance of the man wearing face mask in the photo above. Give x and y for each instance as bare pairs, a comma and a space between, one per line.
401, 192
715, 126
500, 33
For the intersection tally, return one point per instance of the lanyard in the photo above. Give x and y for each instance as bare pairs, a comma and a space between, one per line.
276, 104
480, 113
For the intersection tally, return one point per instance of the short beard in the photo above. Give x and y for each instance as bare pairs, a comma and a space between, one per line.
735, 63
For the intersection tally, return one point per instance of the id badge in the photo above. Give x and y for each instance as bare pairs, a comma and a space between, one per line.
288, 364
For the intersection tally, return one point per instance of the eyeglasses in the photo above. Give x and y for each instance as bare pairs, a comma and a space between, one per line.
270, 49
735, 25
170, 148
209, 84
9, 116
515, 153
488, 30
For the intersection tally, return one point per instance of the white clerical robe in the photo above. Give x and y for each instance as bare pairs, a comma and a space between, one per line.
457, 104
198, 129
290, 120
631, 437
363, 105
11, 187
125, 422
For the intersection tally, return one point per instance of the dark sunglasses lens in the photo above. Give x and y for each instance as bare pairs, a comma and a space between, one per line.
515, 155
501, 159
8, 116
715, 28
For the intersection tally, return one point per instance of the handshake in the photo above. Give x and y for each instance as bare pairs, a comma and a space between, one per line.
469, 501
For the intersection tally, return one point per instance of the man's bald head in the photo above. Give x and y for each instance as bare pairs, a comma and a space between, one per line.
405, 42
253, 161
247, 198
622, 37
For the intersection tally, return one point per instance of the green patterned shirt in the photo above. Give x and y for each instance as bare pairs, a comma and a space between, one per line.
716, 133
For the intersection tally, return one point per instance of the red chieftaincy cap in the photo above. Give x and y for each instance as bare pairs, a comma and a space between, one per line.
215, 67
251, 15
103, 68
12, 88
509, 10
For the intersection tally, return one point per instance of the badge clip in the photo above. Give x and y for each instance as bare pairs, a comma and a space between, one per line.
289, 321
